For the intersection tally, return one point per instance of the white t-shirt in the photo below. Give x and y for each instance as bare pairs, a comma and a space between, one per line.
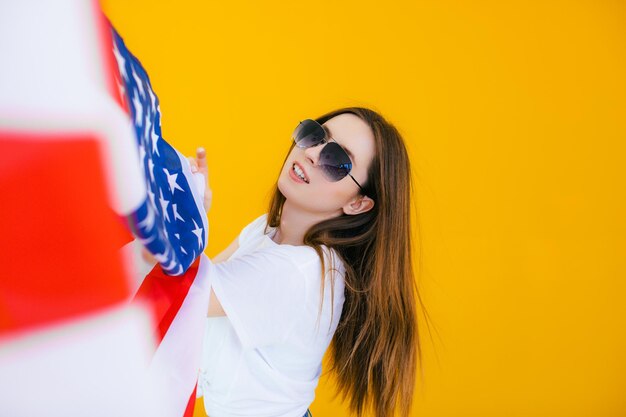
264, 358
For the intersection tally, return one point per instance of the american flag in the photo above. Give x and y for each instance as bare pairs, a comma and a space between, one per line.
171, 222
80, 134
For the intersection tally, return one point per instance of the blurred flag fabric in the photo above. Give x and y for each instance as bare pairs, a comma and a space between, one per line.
171, 223
82, 162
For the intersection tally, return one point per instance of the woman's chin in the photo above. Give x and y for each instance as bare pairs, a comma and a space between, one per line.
281, 184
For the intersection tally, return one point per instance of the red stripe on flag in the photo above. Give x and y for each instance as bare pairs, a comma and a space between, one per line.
126, 235
111, 70
191, 404
59, 249
112, 77
166, 293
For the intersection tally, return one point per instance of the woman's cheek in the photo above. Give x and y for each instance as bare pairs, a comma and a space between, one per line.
327, 196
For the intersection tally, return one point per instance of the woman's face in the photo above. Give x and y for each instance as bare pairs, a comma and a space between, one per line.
317, 194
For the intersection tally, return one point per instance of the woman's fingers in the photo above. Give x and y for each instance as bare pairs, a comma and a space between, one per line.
204, 169
202, 163
199, 165
193, 164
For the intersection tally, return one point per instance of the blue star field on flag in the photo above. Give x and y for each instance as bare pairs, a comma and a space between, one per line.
169, 222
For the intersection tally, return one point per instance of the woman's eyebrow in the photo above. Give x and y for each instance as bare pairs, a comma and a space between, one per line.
331, 136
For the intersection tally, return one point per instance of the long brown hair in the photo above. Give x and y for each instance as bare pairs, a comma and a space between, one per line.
376, 348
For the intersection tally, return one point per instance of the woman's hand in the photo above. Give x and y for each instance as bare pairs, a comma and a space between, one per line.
199, 166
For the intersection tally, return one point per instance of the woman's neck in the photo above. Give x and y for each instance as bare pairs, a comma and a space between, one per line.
294, 223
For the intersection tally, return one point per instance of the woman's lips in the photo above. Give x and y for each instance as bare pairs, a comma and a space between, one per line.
303, 171
295, 176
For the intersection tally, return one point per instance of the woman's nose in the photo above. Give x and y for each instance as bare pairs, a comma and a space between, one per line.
312, 154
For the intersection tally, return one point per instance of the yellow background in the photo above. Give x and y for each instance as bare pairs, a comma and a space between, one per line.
514, 116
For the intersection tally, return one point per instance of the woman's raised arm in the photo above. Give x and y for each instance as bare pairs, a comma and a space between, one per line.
215, 308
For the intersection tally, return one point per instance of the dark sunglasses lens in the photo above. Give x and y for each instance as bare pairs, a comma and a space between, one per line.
334, 161
308, 133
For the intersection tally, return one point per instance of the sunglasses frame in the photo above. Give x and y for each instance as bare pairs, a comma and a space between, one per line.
324, 141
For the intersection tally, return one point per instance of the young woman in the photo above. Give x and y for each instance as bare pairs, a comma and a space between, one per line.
329, 265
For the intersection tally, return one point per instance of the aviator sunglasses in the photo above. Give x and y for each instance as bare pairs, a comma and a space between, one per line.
333, 159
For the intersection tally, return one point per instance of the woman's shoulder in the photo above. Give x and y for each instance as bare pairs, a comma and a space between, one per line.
306, 257
310, 263
255, 228
303, 256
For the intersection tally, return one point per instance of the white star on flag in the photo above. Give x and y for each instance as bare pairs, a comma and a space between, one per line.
151, 169
151, 197
155, 139
171, 180
177, 217
138, 109
152, 99
121, 62
198, 232
164, 204
138, 82
148, 222
147, 128
142, 153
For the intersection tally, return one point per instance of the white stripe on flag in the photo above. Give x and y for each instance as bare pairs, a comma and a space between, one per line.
94, 366
54, 79
177, 360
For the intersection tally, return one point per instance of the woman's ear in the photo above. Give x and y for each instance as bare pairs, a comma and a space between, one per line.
359, 205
